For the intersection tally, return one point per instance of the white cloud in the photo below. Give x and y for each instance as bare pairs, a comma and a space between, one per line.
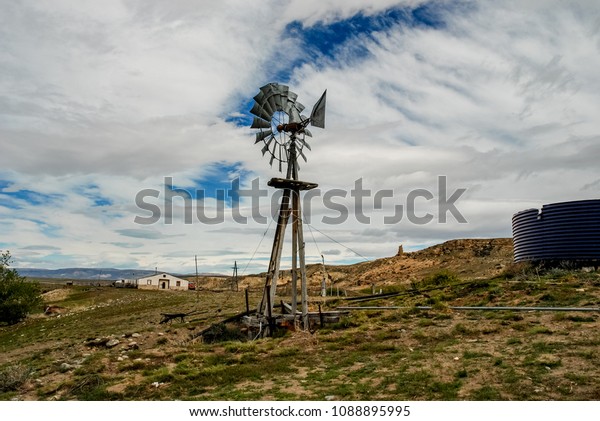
502, 100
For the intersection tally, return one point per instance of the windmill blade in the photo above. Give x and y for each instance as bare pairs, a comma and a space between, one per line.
271, 102
300, 107
271, 161
289, 106
279, 159
305, 144
292, 96
317, 116
294, 115
307, 133
284, 89
261, 135
267, 89
265, 148
261, 99
302, 155
258, 111
259, 123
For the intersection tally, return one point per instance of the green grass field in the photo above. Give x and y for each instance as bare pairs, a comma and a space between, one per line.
437, 354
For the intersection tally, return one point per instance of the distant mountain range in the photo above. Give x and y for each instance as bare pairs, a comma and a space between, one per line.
86, 273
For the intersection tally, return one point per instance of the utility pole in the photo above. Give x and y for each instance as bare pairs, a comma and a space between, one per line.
196, 259
324, 282
234, 281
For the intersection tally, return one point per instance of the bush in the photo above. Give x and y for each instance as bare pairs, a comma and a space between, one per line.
17, 297
12, 377
440, 278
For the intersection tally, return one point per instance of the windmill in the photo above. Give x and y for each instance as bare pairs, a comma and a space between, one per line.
282, 130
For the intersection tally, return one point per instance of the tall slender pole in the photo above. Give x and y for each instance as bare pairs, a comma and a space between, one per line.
234, 281
294, 252
304, 285
299, 237
196, 259
324, 282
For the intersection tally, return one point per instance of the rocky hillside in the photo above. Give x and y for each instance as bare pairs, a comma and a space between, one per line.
467, 258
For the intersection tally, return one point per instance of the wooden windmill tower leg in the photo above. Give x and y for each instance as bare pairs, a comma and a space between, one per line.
301, 257
274, 262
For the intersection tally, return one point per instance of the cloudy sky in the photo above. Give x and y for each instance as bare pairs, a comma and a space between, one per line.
102, 100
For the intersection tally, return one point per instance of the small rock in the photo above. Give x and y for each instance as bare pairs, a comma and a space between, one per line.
65, 367
157, 384
135, 335
160, 334
330, 398
456, 358
547, 368
133, 345
120, 359
112, 343
580, 290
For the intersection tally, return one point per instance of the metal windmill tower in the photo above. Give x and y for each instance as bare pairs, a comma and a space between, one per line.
282, 130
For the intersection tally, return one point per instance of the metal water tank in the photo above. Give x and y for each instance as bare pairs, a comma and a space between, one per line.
566, 231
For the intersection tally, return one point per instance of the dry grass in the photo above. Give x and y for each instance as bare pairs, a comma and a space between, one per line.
390, 355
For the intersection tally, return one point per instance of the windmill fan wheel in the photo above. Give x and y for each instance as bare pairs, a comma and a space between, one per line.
279, 122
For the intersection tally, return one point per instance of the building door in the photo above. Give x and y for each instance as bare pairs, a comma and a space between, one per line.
164, 284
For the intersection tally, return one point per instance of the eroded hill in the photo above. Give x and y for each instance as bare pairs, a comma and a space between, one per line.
467, 258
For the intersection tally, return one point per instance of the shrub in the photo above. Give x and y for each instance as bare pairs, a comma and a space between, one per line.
12, 377
441, 278
17, 297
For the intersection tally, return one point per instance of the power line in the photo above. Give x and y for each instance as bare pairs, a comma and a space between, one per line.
256, 249
337, 242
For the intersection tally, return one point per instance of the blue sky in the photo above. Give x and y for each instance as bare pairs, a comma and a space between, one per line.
99, 102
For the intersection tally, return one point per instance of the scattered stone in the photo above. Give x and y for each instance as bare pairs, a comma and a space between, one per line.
580, 290
157, 384
135, 335
66, 367
331, 397
456, 358
120, 359
160, 334
133, 345
112, 343
97, 342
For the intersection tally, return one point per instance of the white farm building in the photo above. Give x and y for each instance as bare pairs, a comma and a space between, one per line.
163, 281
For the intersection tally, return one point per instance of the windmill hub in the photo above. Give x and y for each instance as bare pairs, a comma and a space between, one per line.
290, 127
